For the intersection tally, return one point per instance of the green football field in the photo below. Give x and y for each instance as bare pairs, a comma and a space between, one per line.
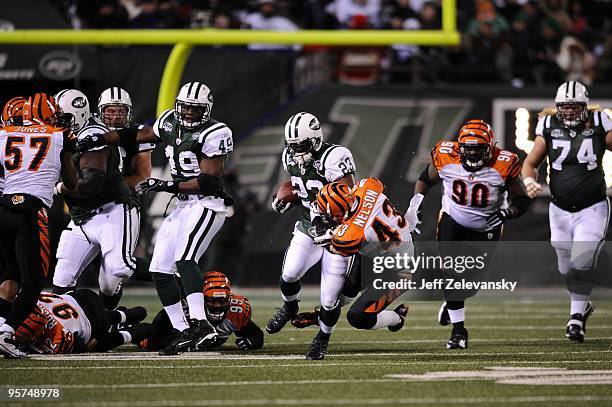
517, 356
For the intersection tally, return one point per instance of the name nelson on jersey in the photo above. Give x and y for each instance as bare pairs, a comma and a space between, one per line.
369, 200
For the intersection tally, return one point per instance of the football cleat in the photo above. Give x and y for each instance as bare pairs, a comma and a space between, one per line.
279, 320
182, 342
318, 347
8, 347
203, 334
402, 311
458, 339
443, 316
132, 315
306, 319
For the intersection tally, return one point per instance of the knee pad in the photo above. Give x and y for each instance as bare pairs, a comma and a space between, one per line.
361, 320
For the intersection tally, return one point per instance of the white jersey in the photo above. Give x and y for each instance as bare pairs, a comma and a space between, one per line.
31, 160
471, 197
68, 313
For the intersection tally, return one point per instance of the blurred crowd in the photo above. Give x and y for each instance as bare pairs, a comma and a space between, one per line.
516, 42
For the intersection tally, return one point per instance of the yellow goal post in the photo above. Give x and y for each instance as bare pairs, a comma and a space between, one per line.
183, 41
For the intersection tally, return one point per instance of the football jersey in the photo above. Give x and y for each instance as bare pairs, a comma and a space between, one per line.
330, 163
471, 197
186, 147
31, 159
238, 316
372, 218
58, 324
127, 153
114, 187
575, 160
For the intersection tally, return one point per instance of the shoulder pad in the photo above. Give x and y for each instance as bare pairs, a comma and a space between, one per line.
444, 153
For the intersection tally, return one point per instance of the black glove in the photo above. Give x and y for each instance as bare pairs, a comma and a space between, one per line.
157, 185
244, 343
498, 218
319, 226
91, 141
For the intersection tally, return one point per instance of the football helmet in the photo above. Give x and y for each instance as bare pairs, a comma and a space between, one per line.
217, 295
118, 98
193, 105
41, 108
571, 100
74, 109
303, 136
12, 114
334, 201
476, 141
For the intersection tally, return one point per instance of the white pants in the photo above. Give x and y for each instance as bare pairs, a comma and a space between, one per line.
184, 235
578, 236
114, 234
302, 254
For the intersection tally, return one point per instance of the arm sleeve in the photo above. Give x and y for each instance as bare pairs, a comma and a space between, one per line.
338, 163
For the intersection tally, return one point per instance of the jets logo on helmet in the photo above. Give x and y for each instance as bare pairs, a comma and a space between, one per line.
193, 105
115, 108
476, 142
217, 295
571, 100
303, 136
74, 109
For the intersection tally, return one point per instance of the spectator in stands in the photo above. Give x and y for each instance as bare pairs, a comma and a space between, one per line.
346, 10
267, 18
102, 14
544, 49
576, 61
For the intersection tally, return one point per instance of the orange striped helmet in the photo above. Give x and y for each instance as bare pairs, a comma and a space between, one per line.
334, 201
40, 108
12, 114
217, 294
476, 141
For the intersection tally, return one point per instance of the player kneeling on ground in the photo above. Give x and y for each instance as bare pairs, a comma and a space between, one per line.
78, 322
360, 217
228, 312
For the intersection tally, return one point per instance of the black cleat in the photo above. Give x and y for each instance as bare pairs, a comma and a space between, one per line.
458, 339
202, 333
318, 347
133, 315
182, 342
402, 311
279, 320
306, 319
443, 317
140, 331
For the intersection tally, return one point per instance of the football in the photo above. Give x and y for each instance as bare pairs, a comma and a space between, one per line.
286, 193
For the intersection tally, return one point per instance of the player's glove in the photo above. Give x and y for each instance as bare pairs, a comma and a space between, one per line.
156, 185
244, 343
280, 206
325, 239
498, 218
413, 214
532, 187
319, 226
90, 141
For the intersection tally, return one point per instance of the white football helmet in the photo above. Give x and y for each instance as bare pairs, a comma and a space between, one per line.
74, 109
115, 96
572, 99
303, 136
193, 105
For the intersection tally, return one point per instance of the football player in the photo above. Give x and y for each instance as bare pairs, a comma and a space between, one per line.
364, 215
33, 156
311, 163
103, 219
574, 138
12, 115
476, 175
229, 313
78, 322
196, 148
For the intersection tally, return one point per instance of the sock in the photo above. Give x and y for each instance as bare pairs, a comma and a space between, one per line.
290, 291
122, 317
328, 319
127, 338
176, 316
457, 315
142, 270
578, 307
167, 288
192, 278
292, 307
196, 306
111, 301
386, 318
324, 334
